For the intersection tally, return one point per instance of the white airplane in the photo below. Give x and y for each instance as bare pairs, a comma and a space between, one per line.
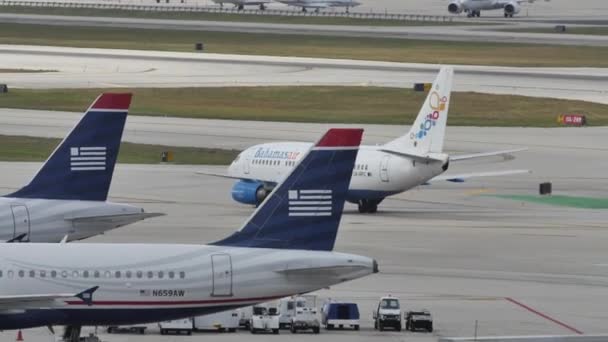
67, 197
411, 160
318, 4
240, 4
285, 248
473, 8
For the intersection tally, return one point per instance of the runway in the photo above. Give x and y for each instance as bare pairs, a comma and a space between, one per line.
110, 68
443, 33
452, 248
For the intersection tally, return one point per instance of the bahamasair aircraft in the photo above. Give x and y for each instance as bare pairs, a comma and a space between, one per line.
284, 248
473, 8
67, 197
411, 160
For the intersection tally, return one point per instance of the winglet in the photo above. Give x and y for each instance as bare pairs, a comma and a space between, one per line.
304, 211
87, 295
81, 167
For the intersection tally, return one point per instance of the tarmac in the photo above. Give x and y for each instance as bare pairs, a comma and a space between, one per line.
113, 68
515, 268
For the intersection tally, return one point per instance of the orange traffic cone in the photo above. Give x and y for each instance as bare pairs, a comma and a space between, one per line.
19, 336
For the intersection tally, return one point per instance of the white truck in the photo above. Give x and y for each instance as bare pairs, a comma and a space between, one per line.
178, 327
221, 321
289, 305
305, 318
264, 319
387, 314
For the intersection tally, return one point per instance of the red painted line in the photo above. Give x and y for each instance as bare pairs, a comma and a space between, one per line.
562, 324
191, 302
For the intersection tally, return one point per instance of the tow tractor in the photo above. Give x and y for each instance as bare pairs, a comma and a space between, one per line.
264, 319
419, 320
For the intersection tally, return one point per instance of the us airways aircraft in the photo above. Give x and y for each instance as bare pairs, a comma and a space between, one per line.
473, 8
67, 197
284, 248
399, 165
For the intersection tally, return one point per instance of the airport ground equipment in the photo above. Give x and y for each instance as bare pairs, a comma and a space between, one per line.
419, 320
340, 315
138, 329
221, 321
305, 318
264, 320
245, 316
387, 314
178, 327
288, 306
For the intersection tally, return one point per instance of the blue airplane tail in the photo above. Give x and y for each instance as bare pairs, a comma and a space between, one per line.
304, 211
81, 167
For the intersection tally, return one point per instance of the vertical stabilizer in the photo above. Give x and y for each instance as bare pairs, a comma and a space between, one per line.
81, 167
304, 211
428, 131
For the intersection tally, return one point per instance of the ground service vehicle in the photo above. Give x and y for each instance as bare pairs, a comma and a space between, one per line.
387, 314
264, 320
140, 329
287, 309
305, 318
221, 321
178, 327
419, 320
340, 315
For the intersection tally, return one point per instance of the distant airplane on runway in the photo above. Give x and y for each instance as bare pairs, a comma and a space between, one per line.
240, 4
285, 248
67, 197
413, 159
473, 8
318, 4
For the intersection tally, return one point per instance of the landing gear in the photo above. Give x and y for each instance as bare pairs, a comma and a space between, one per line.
72, 333
262, 7
368, 206
241, 7
473, 13
508, 15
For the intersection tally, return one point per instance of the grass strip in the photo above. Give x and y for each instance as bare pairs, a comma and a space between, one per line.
374, 105
22, 148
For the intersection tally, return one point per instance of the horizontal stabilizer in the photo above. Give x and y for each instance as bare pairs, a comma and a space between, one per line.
504, 153
460, 178
423, 158
319, 271
112, 218
21, 302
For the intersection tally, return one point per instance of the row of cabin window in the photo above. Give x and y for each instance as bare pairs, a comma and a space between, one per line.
273, 162
96, 274
361, 167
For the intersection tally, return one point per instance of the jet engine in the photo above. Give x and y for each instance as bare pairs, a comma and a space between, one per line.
511, 8
249, 192
455, 7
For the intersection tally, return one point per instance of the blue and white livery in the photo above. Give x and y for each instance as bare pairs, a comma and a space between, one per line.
411, 160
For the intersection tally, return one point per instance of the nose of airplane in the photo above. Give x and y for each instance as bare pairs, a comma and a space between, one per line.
375, 267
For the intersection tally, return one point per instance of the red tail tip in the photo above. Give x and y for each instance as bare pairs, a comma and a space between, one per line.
113, 101
341, 137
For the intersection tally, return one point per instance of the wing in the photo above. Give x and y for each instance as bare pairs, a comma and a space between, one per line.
504, 153
462, 177
223, 175
120, 219
22, 302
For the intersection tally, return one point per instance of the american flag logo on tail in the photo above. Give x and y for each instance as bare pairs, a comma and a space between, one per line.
88, 158
310, 202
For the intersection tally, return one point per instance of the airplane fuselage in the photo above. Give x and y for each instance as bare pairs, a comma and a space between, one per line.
150, 283
376, 175
45, 220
